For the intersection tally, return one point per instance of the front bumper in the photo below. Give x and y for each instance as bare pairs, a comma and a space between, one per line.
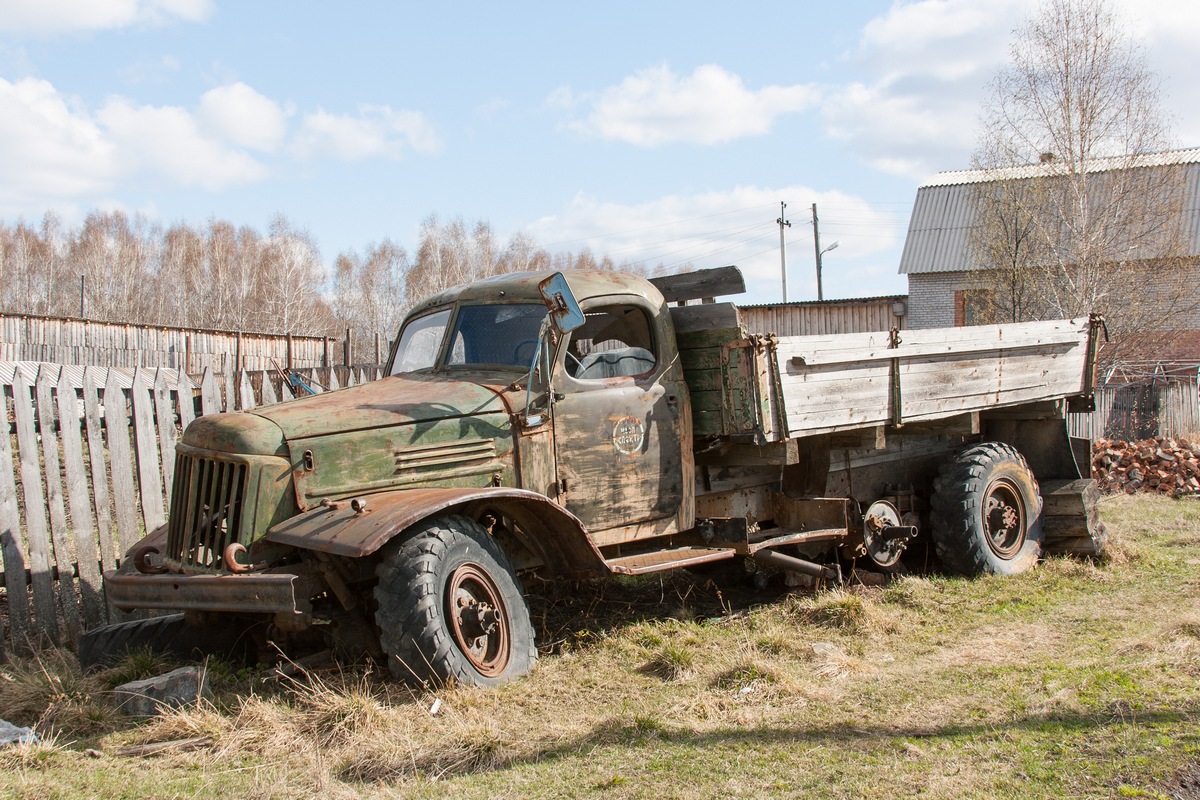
255, 593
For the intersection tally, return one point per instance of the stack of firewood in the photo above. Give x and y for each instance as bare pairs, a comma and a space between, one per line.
1166, 466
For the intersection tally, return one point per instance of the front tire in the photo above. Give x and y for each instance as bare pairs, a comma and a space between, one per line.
450, 608
987, 512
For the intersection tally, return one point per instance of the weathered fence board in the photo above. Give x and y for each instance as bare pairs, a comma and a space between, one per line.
87, 449
52, 471
63, 340
91, 590
149, 474
37, 540
120, 451
11, 546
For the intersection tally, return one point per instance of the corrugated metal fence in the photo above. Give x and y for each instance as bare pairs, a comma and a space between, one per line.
856, 315
107, 344
84, 471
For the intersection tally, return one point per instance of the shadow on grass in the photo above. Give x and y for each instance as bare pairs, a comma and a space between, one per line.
574, 615
650, 735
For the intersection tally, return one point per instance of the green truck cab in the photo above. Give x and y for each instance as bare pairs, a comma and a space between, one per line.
590, 423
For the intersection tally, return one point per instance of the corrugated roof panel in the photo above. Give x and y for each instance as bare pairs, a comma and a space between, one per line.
944, 213
967, 176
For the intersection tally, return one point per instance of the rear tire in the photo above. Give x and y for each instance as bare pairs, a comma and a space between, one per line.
987, 512
450, 608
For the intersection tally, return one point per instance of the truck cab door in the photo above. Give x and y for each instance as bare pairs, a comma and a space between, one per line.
618, 413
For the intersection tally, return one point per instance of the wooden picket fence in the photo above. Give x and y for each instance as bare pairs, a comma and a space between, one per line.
86, 470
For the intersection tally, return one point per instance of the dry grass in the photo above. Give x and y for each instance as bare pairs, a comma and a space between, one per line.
1077, 679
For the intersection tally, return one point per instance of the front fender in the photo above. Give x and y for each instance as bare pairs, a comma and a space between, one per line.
551, 532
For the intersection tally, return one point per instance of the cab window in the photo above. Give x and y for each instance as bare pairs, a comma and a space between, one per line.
419, 342
615, 342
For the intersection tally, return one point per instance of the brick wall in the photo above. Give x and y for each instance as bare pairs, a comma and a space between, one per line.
1173, 294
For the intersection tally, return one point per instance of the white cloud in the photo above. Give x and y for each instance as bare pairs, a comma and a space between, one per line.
57, 152
717, 228
52, 149
930, 62
70, 16
240, 115
927, 65
377, 131
166, 140
711, 106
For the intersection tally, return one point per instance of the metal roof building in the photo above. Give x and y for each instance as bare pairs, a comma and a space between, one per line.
944, 212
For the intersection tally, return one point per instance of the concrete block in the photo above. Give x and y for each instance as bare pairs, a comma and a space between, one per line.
148, 697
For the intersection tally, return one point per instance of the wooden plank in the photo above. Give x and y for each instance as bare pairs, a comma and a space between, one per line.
164, 415
186, 399
245, 392
715, 337
706, 423
700, 358
36, 531
703, 283
285, 392
149, 475
706, 401
704, 380
91, 588
116, 422
230, 397
1055, 335
93, 379
268, 390
688, 319
333, 380
12, 550
210, 393
55, 502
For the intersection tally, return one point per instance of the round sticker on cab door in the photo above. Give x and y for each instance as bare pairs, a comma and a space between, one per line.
629, 434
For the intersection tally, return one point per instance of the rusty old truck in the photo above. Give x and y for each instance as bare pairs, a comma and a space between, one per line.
583, 424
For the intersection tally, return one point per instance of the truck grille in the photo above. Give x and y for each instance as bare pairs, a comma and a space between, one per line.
207, 503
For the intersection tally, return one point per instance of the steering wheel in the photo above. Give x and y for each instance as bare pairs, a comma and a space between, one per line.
517, 358
573, 371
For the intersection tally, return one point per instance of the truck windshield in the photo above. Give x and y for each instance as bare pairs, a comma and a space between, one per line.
498, 335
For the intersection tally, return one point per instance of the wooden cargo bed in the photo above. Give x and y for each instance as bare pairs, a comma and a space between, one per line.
755, 386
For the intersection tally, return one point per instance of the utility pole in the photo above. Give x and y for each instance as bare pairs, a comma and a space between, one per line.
820, 252
817, 250
783, 223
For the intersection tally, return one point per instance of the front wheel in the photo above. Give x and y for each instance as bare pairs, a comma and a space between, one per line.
987, 516
450, 608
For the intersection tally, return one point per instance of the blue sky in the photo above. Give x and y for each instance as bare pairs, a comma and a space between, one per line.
657, 132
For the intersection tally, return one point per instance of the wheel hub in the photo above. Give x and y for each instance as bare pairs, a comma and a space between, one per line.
1004, 519
478, 622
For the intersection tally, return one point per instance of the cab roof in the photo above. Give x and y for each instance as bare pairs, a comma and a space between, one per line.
523, 287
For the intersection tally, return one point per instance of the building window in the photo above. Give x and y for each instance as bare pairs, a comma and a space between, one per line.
974, 307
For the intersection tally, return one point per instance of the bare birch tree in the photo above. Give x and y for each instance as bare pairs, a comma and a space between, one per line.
1074, 205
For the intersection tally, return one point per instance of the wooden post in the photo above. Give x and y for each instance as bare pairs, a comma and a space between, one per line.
347, 348
378, 355
289, 351
237, 364
325, 359
187, 353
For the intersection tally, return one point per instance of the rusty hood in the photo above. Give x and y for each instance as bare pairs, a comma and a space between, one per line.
396, 400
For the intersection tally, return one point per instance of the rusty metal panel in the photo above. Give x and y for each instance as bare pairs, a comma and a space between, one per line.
260, 593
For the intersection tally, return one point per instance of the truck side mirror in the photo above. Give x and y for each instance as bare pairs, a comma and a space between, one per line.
565, 314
